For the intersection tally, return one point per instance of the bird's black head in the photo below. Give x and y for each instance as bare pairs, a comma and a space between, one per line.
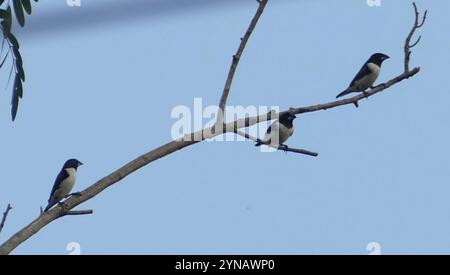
72, 163
378, 58
287, 118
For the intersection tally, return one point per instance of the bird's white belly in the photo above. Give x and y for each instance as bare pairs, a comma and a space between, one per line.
285, 133
367, 81
66, 185
279, 133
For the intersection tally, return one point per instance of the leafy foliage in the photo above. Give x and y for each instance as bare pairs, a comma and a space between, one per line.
13, 46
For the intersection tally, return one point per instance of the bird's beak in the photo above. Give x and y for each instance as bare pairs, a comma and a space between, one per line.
80, 163
387, 57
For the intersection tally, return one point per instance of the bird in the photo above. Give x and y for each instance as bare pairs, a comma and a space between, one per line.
64, 182
279, 131
367, 75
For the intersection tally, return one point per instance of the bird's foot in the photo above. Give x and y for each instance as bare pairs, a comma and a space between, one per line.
366, 94
284, 147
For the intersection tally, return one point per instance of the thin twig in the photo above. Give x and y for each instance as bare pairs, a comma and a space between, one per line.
5, 215
236, 59
281, 148
417, 25
79, 212
167, 149
72, 213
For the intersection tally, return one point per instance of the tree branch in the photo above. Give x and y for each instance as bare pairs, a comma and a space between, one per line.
79, 212
72, 213
236, 59
355, 99
281, 148
417, 25
5, 215
170, 148
92, 191
173, 146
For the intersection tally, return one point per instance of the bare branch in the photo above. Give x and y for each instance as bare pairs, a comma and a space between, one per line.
5, 215
168, 149
417, 25
79, 212
415, 43
355, 99
237, 58
191, 139
281, 148
72, 213
92, 191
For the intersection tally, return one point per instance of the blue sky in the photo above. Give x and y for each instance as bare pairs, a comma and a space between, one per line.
103, 93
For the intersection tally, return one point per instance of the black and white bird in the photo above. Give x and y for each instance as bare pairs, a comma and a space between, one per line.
367, 75
280, 130
64, 182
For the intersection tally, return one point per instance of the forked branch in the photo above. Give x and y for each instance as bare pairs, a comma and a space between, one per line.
194, 138
236, 59
417, 25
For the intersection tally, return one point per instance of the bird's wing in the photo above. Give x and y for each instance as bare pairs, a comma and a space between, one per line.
61, 176
272, 131
365, 70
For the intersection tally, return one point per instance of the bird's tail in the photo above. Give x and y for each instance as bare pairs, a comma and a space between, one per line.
259, 143
50, 205
346, 92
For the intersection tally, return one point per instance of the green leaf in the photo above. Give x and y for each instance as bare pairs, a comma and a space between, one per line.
20, 91
17, 56
26, 6
21, 72
3, 46
17, 92
6, 23
19, 12
3, 14
13, 41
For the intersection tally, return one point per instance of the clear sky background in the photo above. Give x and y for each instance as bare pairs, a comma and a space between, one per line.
102, 88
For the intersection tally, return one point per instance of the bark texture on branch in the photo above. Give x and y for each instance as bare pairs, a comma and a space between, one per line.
174, 146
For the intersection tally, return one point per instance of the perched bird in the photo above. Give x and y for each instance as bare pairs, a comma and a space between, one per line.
64, 182
280, 130
366, 75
